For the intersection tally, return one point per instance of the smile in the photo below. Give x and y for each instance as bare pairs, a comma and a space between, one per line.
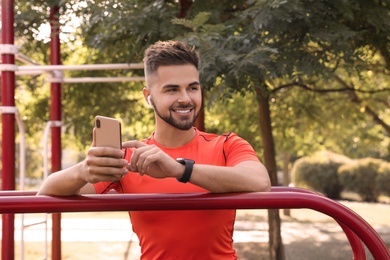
183, 111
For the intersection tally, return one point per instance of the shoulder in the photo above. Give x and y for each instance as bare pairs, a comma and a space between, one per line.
215, 137
225, 138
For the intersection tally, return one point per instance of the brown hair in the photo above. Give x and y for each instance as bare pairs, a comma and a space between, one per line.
166, 53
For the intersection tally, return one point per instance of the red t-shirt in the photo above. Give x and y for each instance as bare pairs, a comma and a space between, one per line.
187, 234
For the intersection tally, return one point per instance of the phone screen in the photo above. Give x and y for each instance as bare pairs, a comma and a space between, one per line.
108, 132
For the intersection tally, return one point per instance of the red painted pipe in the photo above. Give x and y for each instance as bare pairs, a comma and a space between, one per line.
8, 126
260, 200
55, 115
356, 243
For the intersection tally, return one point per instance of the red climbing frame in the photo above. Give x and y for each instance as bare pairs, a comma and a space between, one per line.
356, 228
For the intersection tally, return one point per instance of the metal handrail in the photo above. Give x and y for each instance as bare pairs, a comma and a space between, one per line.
292, 198
354, 240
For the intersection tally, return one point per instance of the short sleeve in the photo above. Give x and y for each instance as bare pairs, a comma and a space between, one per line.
237, 150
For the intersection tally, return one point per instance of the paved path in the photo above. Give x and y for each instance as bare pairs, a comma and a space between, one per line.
301, 240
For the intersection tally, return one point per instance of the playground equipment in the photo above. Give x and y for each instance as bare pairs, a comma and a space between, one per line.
356, 228
9, 112
54, 75
11, 201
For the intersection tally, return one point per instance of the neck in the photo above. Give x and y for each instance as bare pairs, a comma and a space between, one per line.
171, 137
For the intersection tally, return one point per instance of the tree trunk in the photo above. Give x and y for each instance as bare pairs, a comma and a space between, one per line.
275, 239
199, 122
286, 176
184, 7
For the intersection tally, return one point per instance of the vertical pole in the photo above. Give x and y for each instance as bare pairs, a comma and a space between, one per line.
55, 115
8, 127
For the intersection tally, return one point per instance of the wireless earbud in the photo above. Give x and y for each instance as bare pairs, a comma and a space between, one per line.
149, 101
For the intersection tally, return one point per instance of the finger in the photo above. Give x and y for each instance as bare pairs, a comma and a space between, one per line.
96, 173
105, 152
145, 156
106, 171
94, 137
95, 178
105, 162
135, 161
133, 144
149, 160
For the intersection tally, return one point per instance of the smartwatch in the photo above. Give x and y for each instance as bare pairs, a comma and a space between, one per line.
189, 165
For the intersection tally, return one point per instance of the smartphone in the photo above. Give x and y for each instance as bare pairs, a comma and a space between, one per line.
108, 132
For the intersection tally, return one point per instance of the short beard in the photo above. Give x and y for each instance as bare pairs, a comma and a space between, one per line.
181, 125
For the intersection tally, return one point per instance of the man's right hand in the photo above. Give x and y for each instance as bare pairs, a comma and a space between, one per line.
103, 164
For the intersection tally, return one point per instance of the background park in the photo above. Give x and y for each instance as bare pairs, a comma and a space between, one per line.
305, 82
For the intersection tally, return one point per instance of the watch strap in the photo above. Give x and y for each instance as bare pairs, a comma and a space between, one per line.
189, 165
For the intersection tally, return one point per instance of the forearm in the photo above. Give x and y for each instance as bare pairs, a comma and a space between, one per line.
246, 177
63, 183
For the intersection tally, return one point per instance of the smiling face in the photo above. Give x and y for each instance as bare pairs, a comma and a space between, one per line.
175, 95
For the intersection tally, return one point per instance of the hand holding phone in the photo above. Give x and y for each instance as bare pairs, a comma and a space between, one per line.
108, 132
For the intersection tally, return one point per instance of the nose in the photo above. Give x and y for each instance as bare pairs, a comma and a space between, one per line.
184, 98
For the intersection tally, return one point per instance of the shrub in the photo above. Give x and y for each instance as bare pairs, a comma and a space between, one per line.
383, 179
319, 173
360, 177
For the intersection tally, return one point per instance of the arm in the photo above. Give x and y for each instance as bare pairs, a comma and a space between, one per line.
100, 164
242, 177
63, 183
246, 176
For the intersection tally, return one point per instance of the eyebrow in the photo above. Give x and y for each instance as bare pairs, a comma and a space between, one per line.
195, 83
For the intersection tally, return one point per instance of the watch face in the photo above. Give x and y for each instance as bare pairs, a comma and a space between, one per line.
182, 160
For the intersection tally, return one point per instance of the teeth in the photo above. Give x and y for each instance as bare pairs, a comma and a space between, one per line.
183, 111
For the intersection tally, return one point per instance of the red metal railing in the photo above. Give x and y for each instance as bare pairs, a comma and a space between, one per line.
355, 227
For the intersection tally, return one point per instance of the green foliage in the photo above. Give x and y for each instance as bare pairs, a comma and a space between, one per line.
319, 173
383, 178
296, 49
234, 114
360, 176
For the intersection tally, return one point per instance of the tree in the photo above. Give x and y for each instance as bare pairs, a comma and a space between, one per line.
261, 48
308, 58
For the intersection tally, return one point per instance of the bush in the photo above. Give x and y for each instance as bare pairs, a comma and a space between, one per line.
319, 173
360, 177
383, 179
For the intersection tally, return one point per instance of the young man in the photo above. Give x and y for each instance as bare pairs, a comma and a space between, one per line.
177, 158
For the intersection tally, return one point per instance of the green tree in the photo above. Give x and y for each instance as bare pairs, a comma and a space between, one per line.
274, 45
308, 60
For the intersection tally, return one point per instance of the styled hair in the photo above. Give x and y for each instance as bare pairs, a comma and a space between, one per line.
166, 53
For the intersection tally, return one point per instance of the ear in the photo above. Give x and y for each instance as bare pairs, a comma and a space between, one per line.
146, 93
147, 97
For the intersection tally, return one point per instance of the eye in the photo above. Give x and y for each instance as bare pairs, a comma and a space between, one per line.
194, 87
171, 90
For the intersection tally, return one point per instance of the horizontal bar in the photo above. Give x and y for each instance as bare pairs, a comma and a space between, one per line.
94, 79
112, 66
8, 49
23, 58
196, 201
354, 240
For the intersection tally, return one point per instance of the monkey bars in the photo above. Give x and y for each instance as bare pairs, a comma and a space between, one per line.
356, 228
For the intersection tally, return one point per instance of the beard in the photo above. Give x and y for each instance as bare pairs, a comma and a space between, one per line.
185, 123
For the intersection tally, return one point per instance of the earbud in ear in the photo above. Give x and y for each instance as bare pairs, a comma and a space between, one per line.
149, 101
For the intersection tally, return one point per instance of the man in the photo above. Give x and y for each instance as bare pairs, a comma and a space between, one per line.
177, 158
